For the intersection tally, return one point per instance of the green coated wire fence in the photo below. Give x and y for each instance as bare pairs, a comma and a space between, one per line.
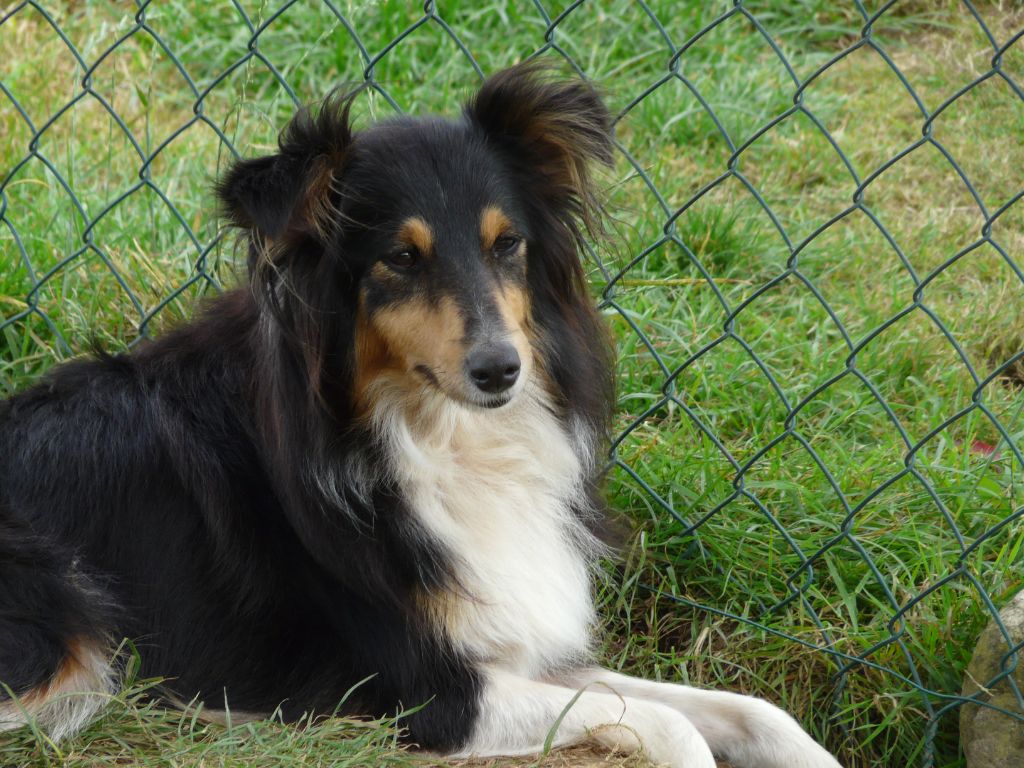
817, 303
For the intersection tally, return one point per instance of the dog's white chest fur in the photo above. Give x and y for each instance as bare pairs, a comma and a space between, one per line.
495, 487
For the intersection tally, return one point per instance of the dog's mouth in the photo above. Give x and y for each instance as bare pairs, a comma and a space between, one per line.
472, 399
496, 402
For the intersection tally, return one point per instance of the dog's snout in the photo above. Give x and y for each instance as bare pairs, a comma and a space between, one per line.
493, 368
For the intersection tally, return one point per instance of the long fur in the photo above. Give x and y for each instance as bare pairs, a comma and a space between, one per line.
378, 461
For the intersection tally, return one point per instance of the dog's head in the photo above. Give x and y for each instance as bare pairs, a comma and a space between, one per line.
434, 253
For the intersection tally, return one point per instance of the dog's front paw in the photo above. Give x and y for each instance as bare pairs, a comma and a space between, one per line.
665, 736
777, 741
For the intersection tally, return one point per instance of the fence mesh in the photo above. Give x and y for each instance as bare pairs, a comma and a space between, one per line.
816, 290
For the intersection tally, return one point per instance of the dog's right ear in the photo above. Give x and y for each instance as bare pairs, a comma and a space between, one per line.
289, 193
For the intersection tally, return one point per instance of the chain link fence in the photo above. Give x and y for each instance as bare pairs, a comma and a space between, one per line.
815, 284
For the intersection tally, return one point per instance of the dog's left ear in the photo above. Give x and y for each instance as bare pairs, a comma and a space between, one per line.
289, 193
559, 127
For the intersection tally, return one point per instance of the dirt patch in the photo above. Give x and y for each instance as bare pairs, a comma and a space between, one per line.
571, 757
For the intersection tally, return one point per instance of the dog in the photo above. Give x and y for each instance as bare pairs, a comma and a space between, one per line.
374, 468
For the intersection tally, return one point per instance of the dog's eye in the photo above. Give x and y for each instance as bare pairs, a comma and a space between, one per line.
405, 259
506, 245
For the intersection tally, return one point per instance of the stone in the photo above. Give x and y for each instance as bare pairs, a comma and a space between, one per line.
989, 738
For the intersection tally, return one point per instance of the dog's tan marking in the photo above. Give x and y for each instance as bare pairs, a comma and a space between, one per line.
514, 305
416, 232
493, 224
74, 667
372, 357
409, 343
319, 209
74, 694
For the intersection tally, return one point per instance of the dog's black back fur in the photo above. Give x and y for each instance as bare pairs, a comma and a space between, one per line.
214, 496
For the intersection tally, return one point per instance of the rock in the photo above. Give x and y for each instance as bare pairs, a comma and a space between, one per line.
991, 739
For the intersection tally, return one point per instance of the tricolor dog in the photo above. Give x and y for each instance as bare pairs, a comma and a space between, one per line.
379, 460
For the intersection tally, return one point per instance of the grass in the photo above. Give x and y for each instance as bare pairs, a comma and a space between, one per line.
765, 435
134, 731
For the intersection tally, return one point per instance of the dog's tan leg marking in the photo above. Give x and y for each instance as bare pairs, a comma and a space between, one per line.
70, 699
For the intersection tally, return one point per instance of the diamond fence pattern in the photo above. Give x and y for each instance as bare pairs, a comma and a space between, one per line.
106, 229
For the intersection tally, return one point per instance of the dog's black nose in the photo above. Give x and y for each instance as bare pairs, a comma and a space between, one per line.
493, 367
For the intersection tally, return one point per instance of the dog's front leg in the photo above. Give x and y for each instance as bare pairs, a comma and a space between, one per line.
517, 714
747, 732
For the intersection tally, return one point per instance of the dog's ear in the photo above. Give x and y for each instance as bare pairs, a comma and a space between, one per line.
290, 192
560, 127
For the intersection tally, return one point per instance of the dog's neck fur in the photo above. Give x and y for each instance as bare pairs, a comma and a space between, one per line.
501, 491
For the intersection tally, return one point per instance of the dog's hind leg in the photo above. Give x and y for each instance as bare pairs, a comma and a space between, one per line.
54, 657
747, 732
517, 715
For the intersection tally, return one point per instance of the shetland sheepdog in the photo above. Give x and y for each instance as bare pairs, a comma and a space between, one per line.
375, 467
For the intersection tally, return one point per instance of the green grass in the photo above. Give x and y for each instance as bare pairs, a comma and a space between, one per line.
811, 475
134, 731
